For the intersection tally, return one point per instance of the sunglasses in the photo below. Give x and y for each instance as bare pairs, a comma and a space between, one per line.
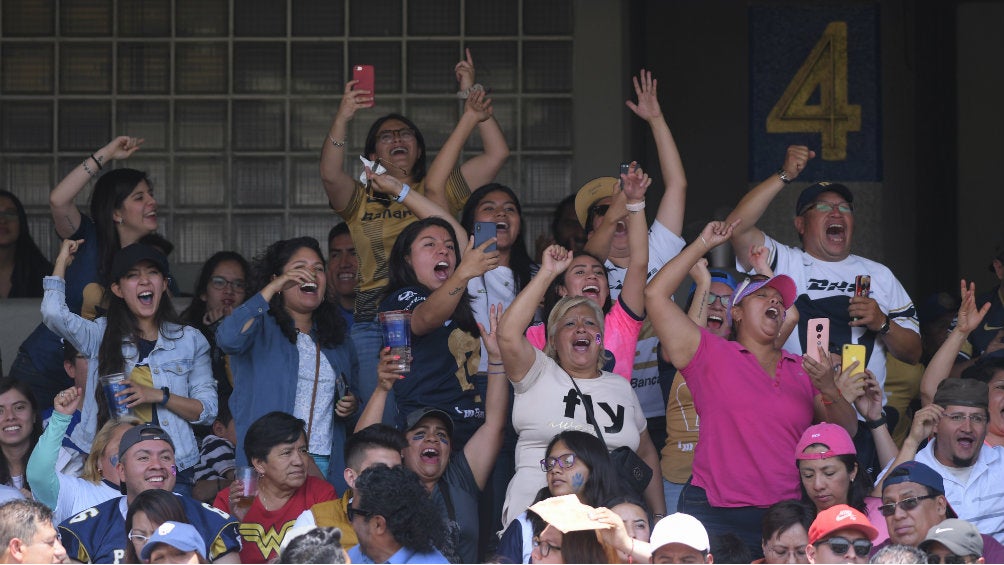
723, 298
950, 559
826, 208
907, 504
565, 462
351, 513
600, 209
220, 283
839, 546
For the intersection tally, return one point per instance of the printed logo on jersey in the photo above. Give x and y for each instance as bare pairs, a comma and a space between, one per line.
267, 542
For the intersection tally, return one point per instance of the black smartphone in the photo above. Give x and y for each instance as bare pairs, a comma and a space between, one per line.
483, 231
625, 170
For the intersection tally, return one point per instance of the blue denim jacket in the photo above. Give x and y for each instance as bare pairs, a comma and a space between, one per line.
180, 360
265, 363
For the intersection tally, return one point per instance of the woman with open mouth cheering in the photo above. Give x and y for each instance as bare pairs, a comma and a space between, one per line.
169, 379
289, 351
749, 393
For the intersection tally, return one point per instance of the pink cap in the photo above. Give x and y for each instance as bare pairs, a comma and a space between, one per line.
832, 436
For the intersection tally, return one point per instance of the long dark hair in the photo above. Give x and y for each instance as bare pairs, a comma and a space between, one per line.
124, 327
159, 506
402, 275
551, 297
328, 323
110, 192
856, 491
419, 170
196, 310
30, 265
519, 259
604, 483
8, 384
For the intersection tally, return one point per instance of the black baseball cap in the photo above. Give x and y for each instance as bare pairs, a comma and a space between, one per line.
140, 433
130, 255
810, 194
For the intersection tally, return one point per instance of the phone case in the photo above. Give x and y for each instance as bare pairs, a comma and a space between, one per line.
483, 231
854, 352
365, 75
862, 285
818, 334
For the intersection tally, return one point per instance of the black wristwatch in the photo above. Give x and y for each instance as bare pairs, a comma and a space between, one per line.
885, 327
167, 395
876, 424
783, 175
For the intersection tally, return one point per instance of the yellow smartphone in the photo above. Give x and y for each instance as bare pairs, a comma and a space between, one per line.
853, 352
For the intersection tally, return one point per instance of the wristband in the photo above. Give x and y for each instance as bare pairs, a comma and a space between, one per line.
404, 192
635, 206
167, 395
876, 424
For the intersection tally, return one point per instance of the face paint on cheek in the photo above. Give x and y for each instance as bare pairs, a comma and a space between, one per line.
577, 482
599, 339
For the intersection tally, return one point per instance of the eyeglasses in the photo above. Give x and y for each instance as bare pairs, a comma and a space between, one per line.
137, 535
387, 136
544, 547
826, 208
783, 552
907, 504
959, 417
951, 559
600, 209
723, 298
351, 513
10, 216
564, 461
220, 283
839, 545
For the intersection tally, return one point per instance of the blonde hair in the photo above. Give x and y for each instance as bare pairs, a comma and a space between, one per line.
100, 443
561, 308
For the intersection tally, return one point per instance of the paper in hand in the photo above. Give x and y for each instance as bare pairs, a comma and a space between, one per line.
378, 169
567, 514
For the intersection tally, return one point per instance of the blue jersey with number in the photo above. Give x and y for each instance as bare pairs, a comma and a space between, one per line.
98, 534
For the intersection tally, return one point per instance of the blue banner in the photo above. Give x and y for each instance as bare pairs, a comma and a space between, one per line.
814, 80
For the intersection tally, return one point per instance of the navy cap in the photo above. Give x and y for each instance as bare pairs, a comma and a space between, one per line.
917, 472
130, 255
415, 416
810, 194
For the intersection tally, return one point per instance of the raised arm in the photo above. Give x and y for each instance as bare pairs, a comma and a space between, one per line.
678, 335
44, 482
388, 372
477, 109
483, 448
698, 312
674, 199
636, 182
755, 203
517, 352
968, 319
65, 214
431, 314
924, 422
85, 335
337, 183
481, 169
419, 204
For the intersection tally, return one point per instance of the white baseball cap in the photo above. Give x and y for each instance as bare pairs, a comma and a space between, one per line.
680, 528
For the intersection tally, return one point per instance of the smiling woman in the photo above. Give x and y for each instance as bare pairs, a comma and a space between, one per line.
20, 428
289, 352
166, 365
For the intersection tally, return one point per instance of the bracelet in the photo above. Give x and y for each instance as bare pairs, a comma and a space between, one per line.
496, 372
635, 206
404, 192
88, 169
463, 94
98, 161
491, 363
336, 143
631, 553
705, 242
167, 396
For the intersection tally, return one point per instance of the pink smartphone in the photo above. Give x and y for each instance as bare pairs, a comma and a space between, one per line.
364, 74
818, 335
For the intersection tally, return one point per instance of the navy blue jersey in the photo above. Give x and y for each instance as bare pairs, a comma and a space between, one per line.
98, 534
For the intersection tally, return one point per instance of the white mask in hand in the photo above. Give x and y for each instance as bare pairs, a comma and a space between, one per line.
378, 169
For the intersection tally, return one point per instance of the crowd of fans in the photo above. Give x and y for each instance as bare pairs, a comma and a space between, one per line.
561, 408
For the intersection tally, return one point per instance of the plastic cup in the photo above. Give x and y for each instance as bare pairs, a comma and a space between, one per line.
112, 384
396, 326
248, 478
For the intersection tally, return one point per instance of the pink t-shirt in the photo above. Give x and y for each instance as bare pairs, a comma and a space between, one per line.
620, 337
750, 423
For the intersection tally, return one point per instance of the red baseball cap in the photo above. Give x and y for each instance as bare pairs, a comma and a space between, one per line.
834, 437
840, 517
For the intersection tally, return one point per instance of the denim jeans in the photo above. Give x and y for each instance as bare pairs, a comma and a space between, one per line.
368, 339
743, 521
672, 493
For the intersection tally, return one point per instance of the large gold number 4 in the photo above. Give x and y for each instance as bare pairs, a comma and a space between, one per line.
825, 70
